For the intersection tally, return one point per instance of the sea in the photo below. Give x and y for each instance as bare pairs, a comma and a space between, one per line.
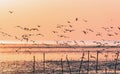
97, 60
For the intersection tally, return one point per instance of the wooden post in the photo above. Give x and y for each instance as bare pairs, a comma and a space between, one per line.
88, 62
33, 64
68, 64
81, 62
106, 62
62, 65
97, 62
53, 72
116, 61
44, 62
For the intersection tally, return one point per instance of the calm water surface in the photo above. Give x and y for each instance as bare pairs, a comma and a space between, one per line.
14, 54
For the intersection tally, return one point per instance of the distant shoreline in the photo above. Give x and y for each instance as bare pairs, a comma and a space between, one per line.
53, 46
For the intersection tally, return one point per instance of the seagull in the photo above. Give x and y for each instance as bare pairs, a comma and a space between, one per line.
54, 31
115, 33
60, 26
38, 26
34, 29
90, 30
63, 36
76, 19
85, 32
40, 34
70, 25
68, 22
70, 30
11, 12
98, 34
110, 34
85, 20
118, 28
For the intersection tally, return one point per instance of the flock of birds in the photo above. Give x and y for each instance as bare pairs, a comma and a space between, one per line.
61, 31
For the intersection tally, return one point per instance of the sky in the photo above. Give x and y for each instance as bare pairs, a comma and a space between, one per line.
48, 14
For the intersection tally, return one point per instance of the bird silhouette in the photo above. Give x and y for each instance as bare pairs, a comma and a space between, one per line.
90, 30
98, 34
68, 22
118, 28
76, 19
34, 29
40, 34
60, 26
69, 30
38, 26
110, 34
85, 32
70, 26
115, 33
10, 12
63, 36
54, 31
85, 20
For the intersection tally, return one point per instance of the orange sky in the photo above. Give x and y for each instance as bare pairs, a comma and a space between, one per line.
49, 13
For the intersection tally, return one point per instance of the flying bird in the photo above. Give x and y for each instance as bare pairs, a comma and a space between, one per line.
98, 34
69, 30
63, 36
34, 29
70, 25
85, 20
10, 12
90, 30
54, 31
115, 33
68, 22
76, 19
110, 34
118, 28
40, 34
85, 32
38, 26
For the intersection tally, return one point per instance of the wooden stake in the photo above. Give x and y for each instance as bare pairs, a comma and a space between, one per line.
33, 64
88, 62
97, 62
116, 61
81, 62
62, 65
68, 64
44, 62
